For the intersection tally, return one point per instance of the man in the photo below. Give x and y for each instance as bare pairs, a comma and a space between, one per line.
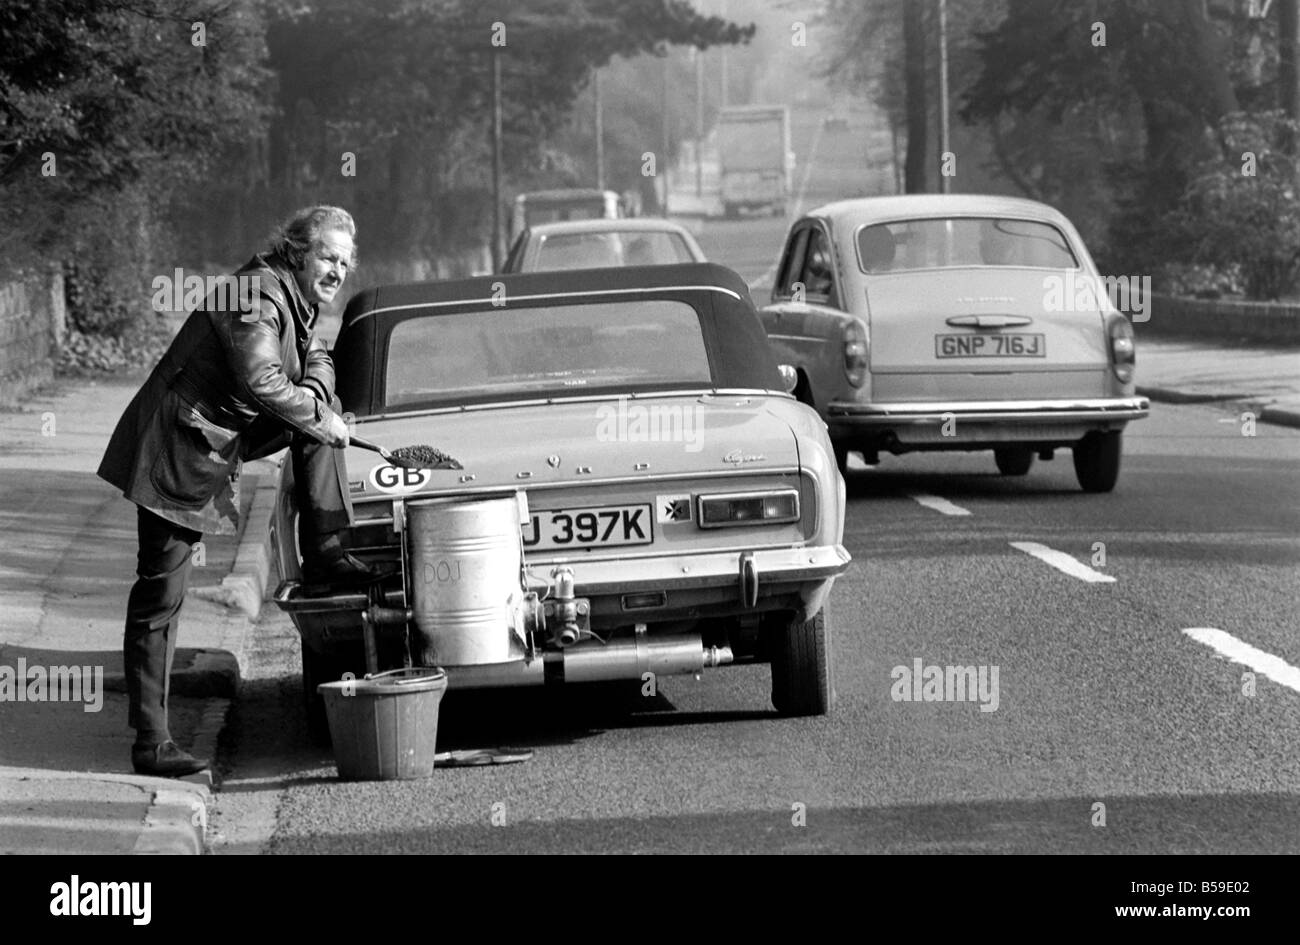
243, 378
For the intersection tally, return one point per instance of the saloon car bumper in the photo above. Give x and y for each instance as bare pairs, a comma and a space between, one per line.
1090, 410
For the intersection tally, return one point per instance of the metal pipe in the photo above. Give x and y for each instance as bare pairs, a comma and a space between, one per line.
594, 662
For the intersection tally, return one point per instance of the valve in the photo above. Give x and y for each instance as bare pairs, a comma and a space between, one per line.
568, 617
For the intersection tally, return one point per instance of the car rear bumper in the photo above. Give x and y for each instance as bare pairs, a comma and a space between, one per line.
1106, 410
741, 577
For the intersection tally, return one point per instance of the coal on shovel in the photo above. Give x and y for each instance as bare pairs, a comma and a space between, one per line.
410, 457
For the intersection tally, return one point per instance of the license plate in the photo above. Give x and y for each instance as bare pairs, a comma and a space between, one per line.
600, 527
1017, 345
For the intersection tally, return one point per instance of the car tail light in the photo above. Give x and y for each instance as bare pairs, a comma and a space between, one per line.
855, 352
1123, 354
749, 508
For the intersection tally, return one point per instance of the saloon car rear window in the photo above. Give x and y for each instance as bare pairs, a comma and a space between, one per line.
597, 250
962, 241
565, 350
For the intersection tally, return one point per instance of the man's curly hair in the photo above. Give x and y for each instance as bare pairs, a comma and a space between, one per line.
300, 234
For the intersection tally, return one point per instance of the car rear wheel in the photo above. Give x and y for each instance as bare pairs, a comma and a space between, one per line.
801, 667
1013, 460
1096, 460
841, 458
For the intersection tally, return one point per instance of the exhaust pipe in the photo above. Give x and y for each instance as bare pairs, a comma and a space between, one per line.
632, 659
596, 662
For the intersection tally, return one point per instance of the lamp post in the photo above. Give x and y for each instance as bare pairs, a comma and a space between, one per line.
600, 131
945, 184
496, 160
699, 122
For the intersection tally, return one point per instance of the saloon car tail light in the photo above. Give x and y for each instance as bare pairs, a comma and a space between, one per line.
855, 352
749, 508
1123, 355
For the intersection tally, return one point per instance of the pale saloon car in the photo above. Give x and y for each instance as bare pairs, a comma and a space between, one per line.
592, 244
955, 322
640, 495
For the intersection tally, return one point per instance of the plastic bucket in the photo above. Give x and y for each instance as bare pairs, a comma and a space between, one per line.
385, 727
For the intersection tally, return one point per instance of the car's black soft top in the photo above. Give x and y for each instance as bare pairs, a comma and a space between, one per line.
738, 348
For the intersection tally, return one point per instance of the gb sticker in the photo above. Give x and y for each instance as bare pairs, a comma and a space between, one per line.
398, 481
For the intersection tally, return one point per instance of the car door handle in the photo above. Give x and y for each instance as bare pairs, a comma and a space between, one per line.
988, 321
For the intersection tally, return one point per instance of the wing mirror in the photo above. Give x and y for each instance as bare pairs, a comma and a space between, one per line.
789, 377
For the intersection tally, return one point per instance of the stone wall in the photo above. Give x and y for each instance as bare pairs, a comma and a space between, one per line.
1222, 320
32, 321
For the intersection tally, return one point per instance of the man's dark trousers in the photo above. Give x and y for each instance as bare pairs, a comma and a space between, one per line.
163, 568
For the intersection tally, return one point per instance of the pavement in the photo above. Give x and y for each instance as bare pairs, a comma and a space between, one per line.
66, 566
1262, 380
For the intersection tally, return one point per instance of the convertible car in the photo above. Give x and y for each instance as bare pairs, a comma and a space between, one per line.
640, 495
955, 322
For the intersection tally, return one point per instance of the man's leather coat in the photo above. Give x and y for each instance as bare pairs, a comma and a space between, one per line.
243, 374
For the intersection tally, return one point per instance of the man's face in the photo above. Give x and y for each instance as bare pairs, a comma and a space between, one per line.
325, 267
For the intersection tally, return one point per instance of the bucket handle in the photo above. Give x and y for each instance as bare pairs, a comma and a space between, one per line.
433, 674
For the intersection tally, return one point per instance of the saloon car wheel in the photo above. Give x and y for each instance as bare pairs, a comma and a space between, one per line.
1013, 460
801, 667
1096, 460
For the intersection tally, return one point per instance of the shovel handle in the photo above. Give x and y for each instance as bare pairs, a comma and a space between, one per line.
367, 445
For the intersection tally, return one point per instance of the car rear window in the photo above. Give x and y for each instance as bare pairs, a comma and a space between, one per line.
947, 243
564, 350
619, 248
558, 212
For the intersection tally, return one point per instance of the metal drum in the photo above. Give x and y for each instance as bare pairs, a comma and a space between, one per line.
465, 563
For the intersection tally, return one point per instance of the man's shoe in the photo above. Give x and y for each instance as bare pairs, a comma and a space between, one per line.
343, 570
165, 760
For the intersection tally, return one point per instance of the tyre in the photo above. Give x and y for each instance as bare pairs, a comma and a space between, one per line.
317, 669
1013, 460
801, 667
1096, 460
841, 459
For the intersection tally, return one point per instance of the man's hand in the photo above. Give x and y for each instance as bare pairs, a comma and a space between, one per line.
336, 432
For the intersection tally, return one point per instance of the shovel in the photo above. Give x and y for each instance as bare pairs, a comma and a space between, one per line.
424, 457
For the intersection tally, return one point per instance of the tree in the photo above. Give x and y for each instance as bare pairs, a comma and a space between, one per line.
1243, 214
99, 96
1141, 84
918, 113
888, 49
405, 86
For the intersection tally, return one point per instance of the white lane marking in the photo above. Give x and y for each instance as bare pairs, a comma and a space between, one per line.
1229, 647
1062, 562
938, 504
